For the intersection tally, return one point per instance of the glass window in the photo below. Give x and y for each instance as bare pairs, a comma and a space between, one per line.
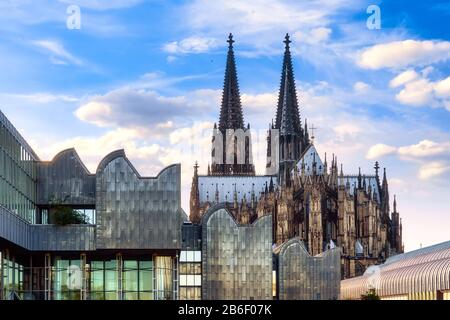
97, 280
190, 256
145, 280
163, 270
183, 256
130, 280
111, 279
197, 256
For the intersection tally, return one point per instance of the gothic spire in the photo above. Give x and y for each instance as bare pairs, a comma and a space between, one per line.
288, 118
231, 110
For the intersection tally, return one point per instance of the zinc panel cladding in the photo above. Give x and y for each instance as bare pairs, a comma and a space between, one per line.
134, 212
417, 274
65, 179
45, 237
237, 259
305, 277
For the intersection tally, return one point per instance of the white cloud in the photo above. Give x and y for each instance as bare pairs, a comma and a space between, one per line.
433, 169
402, 78
379, 150
425, 148
39, 97
442, 88
57, 53
193, 44
127, 107
399, 54
418, 90
314, 36
433, 157
346, 129
261, 25
361, 87
417, 93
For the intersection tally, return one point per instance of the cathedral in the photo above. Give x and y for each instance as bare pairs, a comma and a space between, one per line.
308, 198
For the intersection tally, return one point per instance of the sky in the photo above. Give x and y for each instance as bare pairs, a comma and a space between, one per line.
146, 76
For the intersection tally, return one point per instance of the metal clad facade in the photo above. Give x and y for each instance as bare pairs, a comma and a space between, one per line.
45, 237
135, 212
237, 260
65, 179
303, 277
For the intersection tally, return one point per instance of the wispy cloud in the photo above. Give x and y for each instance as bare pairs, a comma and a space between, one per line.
56, 52
193, 44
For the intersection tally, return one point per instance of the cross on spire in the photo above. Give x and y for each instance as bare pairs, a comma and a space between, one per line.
230, 40
312, 132
231, 110
287, 41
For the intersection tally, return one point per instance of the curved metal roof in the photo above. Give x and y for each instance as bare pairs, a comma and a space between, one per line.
418, 271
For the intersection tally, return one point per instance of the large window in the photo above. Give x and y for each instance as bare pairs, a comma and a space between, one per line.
164, 277
12, 278
89, 214
17, 174
65, 285
190, 275
137, 280
104, 280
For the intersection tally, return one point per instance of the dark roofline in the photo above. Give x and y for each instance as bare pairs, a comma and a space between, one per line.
121, 154
4, 119
63, 152
222, 205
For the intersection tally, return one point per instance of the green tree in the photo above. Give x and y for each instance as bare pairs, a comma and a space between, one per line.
61, 214
370, 295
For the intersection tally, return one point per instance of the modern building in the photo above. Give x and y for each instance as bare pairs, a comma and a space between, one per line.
128, 247
423, 274
301, 276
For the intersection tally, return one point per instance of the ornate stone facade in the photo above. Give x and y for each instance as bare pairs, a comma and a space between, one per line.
307, 198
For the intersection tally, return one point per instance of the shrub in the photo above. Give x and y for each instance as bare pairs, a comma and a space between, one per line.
370, 295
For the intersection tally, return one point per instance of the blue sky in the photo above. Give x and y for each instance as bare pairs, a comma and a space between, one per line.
146, 76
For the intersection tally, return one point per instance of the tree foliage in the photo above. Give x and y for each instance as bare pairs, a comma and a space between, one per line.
370, 295
61, 214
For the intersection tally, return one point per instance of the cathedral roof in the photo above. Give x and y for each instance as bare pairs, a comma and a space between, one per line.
287, 117
369, 181
231, 116
308, 158
226, 185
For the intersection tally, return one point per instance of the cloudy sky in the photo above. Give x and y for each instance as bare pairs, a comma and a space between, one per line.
146, 76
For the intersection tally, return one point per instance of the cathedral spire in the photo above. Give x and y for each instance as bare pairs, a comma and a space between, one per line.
287, 117
194, 202
231, 116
